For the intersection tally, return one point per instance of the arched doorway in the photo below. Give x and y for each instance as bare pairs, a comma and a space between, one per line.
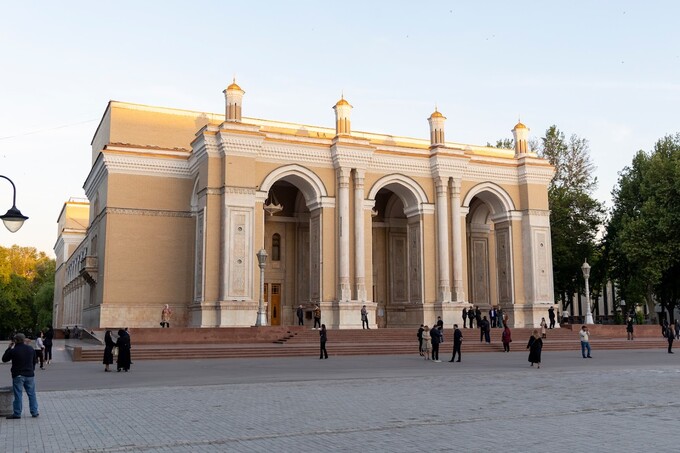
489, 246
292, 239
397, 252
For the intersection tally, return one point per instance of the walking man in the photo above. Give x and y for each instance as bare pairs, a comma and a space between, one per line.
435, 335
551, 316
669, 336
300, 315
23, 375
457, 342
585, 342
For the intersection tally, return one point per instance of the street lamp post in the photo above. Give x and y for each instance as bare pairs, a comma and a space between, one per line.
586, 273
261, 316
13, 219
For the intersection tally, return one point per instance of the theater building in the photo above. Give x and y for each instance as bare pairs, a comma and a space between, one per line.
180, 202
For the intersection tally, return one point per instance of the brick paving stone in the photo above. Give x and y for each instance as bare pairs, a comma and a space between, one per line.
407, 405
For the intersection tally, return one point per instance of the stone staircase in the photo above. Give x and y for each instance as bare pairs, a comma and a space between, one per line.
299, 342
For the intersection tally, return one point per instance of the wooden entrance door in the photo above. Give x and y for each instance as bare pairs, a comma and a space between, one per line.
275, 304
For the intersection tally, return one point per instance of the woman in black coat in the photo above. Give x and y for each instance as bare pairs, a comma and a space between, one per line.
48, 341
108, 350
534, 346
123, 343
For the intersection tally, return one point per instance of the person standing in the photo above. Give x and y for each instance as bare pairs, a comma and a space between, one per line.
464, 318
484, 330
419, 335
166, 314
39, 347
426, 343
323, 337
22, 357
478, 316
544, 328
108, 350
300, 316
499, 315
506, 338
457, 343
124, 358
471, 317
669, 336
317, 316
551, 317
535, 346
435, 338
492, 316
364, 318
585, 342
677, 329
629, 327
49, 336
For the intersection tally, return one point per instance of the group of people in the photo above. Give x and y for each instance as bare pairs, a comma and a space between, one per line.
474, 316
118, 350
316, 314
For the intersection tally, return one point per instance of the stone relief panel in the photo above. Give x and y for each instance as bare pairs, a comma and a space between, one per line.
198, 259
398, 265
303, 283
480, 271
414, 262
238, 253
541, 266
315, 256
504, 263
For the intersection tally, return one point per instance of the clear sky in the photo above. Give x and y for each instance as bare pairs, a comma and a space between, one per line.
608, 71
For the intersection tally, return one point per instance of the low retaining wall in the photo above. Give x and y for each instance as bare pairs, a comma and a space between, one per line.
6, 400
618, 330
212, 335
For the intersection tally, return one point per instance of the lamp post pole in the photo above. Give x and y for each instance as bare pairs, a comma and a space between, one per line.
261, 315
13, 219
586, 273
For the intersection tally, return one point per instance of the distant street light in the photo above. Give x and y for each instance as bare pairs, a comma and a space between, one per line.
586, 273
261, 316
13, 219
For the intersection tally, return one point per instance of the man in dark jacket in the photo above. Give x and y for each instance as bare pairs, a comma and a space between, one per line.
471, 317
457, 342
484, 331
23, 376
436, 338
464, 318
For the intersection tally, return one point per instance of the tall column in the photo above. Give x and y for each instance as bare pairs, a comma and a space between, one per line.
458, 291
345, 292
444, 292
359, 242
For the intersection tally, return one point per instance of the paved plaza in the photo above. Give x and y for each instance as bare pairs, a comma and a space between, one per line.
617, 401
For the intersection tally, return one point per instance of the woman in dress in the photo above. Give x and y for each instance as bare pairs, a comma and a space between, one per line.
108, 350
506, 338
544, 328
534, 346
123, 343
426, 342
322, 338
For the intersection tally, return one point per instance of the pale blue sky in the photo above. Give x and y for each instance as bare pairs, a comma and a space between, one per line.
608, 71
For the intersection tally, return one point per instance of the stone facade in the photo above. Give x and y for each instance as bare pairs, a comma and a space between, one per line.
180, 202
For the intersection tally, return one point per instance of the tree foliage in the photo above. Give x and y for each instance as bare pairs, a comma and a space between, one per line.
26, 289
643, 235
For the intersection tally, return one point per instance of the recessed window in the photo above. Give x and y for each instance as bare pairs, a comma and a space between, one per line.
276, 247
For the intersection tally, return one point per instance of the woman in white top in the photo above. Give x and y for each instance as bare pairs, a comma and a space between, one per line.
39, 347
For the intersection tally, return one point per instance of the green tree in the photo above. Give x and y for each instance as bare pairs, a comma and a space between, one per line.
26, 277
643, 234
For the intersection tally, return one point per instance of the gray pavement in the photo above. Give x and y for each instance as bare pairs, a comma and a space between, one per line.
617, 401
